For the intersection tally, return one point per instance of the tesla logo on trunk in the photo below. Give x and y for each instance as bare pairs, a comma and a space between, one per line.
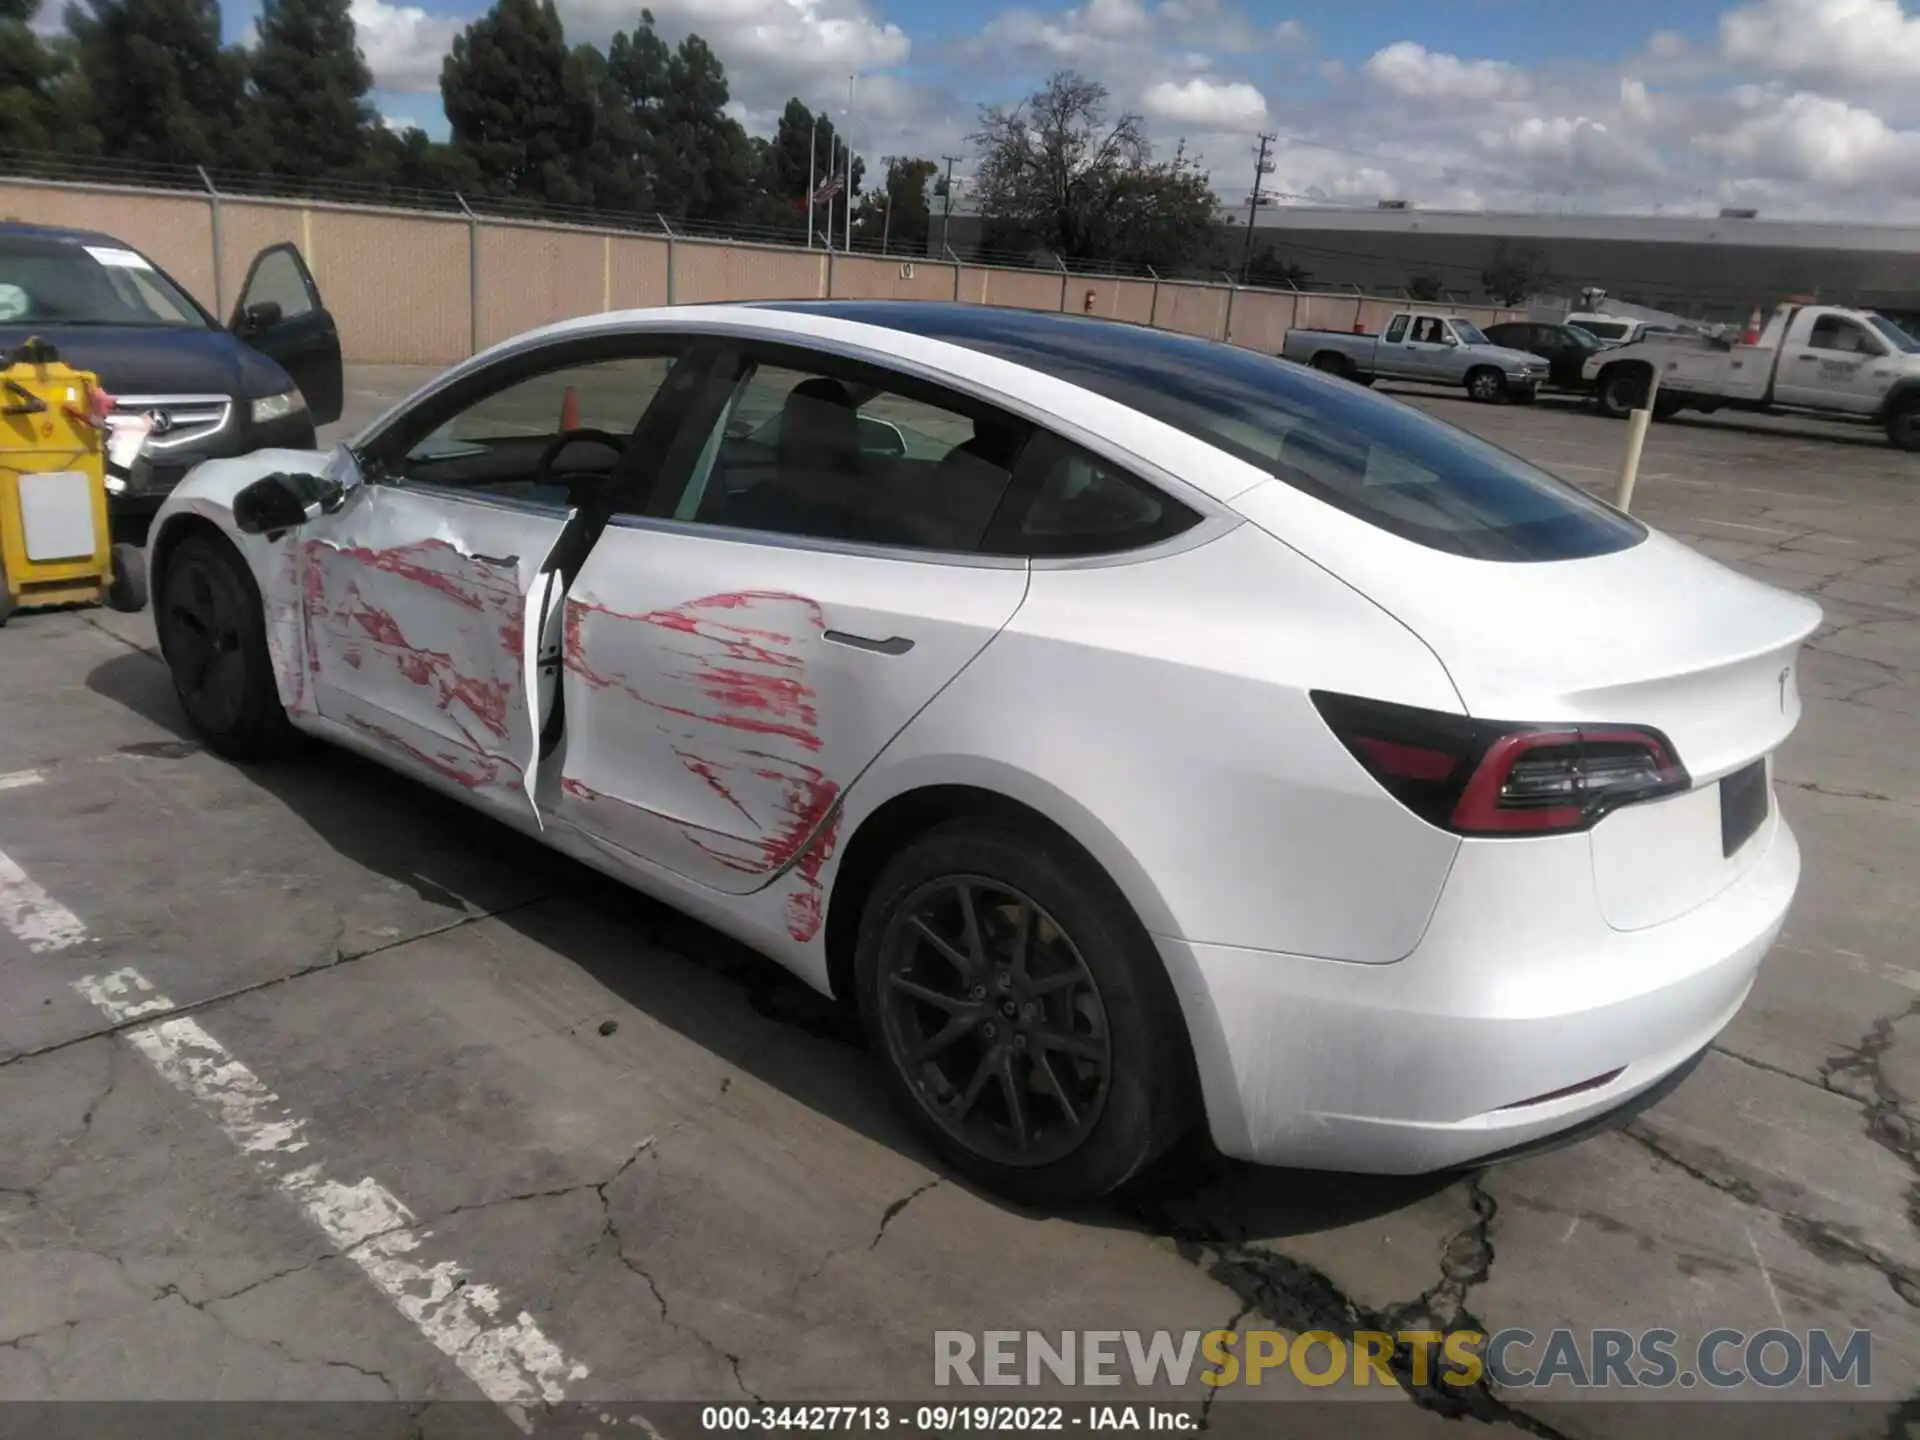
1785, 675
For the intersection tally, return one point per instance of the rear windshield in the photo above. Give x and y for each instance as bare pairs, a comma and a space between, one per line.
1374, 458
1606, 329
58, 282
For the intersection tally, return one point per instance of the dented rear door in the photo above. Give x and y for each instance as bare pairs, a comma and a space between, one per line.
723, 691
415, 615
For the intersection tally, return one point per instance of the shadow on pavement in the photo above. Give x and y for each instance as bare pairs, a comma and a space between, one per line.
418, 838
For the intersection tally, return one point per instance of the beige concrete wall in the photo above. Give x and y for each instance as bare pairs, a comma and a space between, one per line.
399, 285
1261, 319
706, 270
1193, 309
1016, 289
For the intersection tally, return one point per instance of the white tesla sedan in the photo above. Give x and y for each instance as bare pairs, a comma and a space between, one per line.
1139, 730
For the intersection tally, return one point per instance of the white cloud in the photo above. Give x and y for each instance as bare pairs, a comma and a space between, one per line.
1667, 45
1412, 70
1840, 45
404, 45
1223, 105
1635, 102
1291, 35
1822, 142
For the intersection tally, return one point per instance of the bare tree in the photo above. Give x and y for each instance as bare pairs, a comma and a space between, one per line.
1514, 273
1053, 169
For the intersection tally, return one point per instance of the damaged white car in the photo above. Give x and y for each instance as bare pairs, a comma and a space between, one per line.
1140, 731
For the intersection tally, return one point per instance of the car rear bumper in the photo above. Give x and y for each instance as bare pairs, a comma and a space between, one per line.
1497, 1032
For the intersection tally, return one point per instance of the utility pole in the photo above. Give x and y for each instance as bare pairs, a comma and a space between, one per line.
813, 137
849, 207
1262, 167
946, 213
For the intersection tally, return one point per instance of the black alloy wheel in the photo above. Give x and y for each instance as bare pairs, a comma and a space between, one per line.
993, 1014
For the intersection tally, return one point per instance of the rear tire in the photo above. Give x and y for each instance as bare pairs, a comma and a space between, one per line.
1038, 1047
1903, 425
213, 634
1328, 362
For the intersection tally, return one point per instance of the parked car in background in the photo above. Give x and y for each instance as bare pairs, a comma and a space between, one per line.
1609, 329
1565, 348
1824, 360
266, 379
1137, 731
1427, 346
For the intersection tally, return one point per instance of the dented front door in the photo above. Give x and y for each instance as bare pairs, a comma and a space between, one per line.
415, 616
722, 693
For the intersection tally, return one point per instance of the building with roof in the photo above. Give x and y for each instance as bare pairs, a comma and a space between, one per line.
1709, 268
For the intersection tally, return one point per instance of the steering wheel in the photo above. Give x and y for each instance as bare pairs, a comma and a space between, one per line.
585, 435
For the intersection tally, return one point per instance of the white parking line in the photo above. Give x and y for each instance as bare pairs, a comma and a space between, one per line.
20, 779
37, 920
514, 1364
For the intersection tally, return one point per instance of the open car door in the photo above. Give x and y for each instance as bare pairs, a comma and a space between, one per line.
279, 314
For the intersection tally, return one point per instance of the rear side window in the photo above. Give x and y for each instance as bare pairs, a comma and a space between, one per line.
1068, 501
1396, 329
1385, 463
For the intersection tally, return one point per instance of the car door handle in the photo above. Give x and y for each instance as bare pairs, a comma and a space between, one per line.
894, 645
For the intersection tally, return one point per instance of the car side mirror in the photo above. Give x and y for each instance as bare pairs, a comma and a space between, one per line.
276, 503
262, 315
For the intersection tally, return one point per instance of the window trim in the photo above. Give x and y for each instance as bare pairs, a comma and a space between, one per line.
373, 452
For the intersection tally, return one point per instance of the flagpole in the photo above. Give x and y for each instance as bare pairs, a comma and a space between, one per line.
848, 247
813, 134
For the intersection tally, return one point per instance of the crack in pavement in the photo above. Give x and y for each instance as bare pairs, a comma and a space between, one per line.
1244, 1309
318, 967
887, 1215
1819, 1238
1887, 1124
610, 1230
1299, 1298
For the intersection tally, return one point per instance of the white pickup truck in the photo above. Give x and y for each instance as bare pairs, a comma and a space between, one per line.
1815, 359
1430, 347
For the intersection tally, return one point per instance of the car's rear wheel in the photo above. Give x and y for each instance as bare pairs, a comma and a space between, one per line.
1021, 1014
1329, 363
213, 635
1903, 427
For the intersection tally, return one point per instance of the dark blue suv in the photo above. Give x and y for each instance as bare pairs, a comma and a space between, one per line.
265, 379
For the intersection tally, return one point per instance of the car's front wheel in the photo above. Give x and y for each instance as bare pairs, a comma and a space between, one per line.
213, 634
1489, 387
1021, 1013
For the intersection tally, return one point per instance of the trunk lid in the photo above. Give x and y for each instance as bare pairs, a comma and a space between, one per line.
1655, 635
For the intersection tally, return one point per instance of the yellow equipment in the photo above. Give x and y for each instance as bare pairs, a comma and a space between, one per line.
55, 543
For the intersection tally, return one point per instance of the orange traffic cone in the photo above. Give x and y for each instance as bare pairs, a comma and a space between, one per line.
570, 408
1752, 334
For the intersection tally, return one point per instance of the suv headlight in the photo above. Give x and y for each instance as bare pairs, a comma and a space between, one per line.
278, 407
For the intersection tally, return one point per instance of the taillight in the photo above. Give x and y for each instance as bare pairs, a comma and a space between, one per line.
1483, 777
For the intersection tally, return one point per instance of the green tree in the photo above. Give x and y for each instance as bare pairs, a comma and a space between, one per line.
36, 89
1514, 272
1429, 288
518, 103
307, 107
409, 160
1270, 270
1054, 170
160, 86
896, 214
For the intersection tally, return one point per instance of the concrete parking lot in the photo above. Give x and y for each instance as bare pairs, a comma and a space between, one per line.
662, 1170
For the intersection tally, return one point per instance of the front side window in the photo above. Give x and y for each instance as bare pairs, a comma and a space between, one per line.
1830, 332
549, 437
851, 456
57, 282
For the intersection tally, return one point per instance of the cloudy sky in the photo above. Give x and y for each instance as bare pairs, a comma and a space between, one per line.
1804, 107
